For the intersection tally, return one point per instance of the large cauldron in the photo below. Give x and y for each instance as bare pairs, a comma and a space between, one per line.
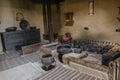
63, 49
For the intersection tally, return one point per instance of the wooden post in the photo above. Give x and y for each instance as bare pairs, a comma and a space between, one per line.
58, 8
44, 16
50, 25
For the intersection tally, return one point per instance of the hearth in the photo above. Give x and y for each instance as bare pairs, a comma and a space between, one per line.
98, 47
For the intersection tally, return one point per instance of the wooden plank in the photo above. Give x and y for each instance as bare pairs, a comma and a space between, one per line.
30, 48
89, 64
45, 50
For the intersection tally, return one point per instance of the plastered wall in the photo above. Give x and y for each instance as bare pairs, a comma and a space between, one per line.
9, 8
101, 25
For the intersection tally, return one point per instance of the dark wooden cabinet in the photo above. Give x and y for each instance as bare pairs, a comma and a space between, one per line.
16, 39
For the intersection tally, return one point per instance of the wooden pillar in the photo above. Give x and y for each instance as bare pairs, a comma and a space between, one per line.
50, 25
58, 16
45, 16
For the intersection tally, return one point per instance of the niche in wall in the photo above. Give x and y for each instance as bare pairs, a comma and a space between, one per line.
91, 7
86, 28
19, 16
118, 18
69, 19
117, 30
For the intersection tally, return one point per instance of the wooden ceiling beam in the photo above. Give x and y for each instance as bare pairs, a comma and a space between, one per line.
51, 1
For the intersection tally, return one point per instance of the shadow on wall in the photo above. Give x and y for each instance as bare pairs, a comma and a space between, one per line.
24, 4
87, 35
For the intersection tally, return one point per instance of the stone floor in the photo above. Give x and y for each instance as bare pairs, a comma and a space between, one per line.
14, 59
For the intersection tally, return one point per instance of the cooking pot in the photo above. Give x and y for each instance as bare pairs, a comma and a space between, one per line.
63, 49
11, 29
47, 60
24, 25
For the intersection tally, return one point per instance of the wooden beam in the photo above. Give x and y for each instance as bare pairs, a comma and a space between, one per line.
51, 1
50, 25
45, 17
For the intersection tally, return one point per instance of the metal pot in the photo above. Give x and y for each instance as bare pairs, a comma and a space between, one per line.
77, 50
47, 59
24, 25
63, 49
11, 29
